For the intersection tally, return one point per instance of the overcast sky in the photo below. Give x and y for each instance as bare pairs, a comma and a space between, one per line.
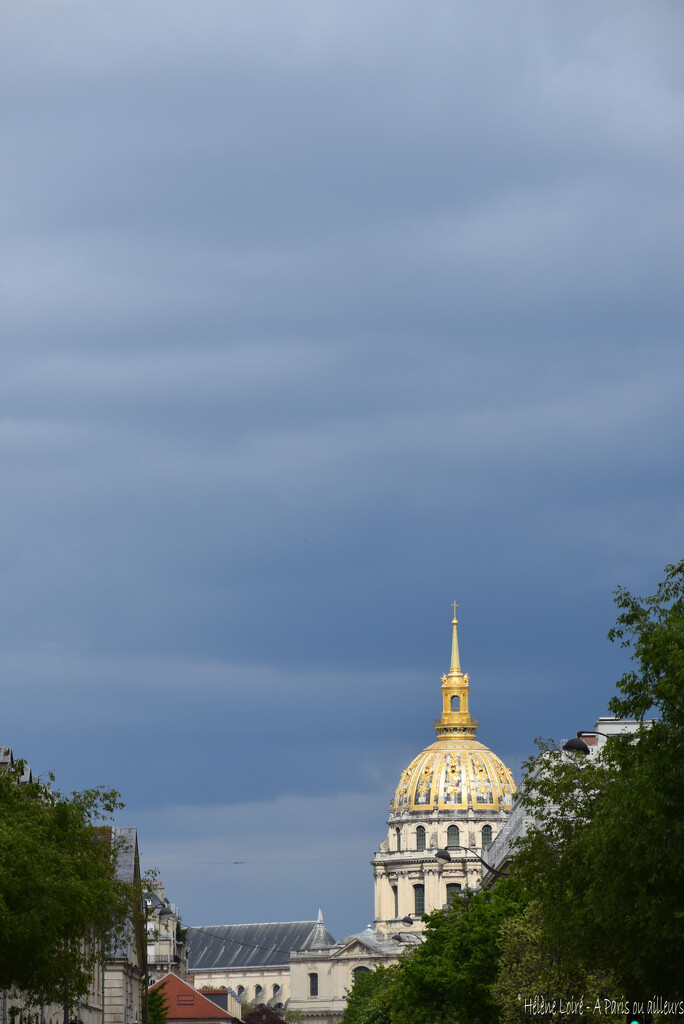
315, 317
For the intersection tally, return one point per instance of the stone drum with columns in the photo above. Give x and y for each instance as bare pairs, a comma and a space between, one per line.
455, 795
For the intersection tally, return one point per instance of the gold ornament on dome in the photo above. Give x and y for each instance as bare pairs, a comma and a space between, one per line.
457, 771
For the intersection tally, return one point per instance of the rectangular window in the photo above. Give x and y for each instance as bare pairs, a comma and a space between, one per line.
395, 893
419, 898
313, 984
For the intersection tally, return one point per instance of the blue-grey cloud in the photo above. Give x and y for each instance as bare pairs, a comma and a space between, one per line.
313, 319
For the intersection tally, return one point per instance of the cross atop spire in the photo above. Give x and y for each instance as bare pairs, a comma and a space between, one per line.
455, 668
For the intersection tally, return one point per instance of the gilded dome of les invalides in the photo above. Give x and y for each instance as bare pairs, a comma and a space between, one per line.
456, 772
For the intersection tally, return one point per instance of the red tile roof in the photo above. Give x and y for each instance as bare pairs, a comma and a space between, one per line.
186, 1004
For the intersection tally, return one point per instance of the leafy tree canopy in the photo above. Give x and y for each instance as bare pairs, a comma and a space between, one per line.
262, 1014
371, 996
535, 983
157, 1005
594, 906
59, 894
606, 859
449, 977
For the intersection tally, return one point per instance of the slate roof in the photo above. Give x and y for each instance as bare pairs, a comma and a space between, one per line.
127, 869
219, 947
369, 938
7, 761
384, 945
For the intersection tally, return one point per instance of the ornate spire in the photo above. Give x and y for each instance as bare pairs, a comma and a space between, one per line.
455, 719
455, 661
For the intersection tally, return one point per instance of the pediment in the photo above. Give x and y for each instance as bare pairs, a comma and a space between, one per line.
357, 947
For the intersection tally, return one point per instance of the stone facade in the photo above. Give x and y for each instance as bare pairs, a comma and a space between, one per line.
125, 969
321, 979
252, 960
452, 799
165, 944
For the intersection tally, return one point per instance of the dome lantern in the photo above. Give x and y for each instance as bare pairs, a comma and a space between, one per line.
455, 719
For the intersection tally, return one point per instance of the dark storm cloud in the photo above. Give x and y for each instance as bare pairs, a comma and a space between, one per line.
315, 317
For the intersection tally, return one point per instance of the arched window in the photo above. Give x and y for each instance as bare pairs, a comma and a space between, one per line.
453, 837
486, 836
420, 838
452, 891
398, 834
313, 984
276, 990
419, 899
240, 991
455, 703
360, 970
257, 991
395, 893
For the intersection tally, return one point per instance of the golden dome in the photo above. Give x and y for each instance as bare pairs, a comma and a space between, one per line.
456, 772
454, 775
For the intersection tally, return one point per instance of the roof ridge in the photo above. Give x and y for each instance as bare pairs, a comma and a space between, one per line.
252, 924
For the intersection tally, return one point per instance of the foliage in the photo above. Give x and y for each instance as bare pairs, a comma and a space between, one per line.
294, 1016
606, 859
157, 1005
262, 1014
369, 1001
535, 983
563, 797
653, 628
594, 907
449, 977
59, 894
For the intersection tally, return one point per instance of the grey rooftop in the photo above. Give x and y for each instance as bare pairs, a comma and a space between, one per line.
219, 947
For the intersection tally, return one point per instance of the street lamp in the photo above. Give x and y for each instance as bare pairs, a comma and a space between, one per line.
446, 856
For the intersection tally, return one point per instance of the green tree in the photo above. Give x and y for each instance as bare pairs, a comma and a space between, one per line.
563, 797
60, 897
534, 982
263, 1014
606, 859
157, 1004
448, 978
370, 998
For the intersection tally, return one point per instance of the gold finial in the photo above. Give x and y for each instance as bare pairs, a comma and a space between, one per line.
455, 720
455, 661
